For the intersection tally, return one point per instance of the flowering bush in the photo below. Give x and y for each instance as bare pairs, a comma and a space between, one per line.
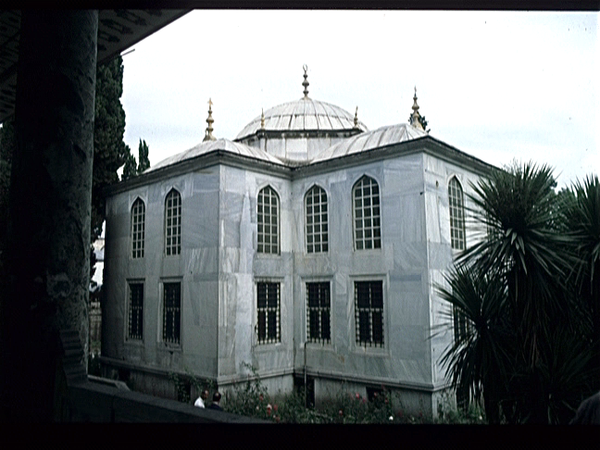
252, 399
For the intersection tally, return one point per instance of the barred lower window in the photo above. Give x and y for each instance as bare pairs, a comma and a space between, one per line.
268, 221
136, 310
138, 228
268, 310
367, 214
173, 223
457, 215
172, 313
318, 311
317, 235
462, 325
368, 298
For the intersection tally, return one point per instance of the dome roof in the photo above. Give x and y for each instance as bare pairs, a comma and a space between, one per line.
381, 137
303, 115
219, 144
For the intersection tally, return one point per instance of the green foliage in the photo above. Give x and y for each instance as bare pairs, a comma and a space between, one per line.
144, 161
527, 350
130, 169
110, 152
188, 383
252, 399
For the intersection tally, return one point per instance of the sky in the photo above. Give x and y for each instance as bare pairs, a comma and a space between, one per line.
500, 86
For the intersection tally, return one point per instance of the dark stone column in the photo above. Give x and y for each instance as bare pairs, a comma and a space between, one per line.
49, 230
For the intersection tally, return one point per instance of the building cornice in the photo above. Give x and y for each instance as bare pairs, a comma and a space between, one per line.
426, 145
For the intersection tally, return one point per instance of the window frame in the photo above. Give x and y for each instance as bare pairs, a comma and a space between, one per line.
173, 230
138, 228
371, 312
318, 312
367, 223
456, 207
262, 246
266, 331
132, 309
312, 220
175, 338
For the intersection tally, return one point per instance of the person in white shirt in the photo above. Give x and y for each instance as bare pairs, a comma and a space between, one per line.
200, 400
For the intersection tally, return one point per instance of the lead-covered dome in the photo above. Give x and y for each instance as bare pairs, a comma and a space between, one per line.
305, 114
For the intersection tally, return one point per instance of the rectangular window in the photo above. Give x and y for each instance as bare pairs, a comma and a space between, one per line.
136, 310
172, 313
368, 303
268, 309
318, 312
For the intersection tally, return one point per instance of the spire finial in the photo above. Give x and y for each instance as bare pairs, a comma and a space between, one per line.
305, 83
415, 116
262, 119
208, 136
356, 118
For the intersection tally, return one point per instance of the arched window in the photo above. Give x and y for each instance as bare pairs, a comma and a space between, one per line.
268, 221
317, 235
138, 228
173, 223
367, 214
457, 215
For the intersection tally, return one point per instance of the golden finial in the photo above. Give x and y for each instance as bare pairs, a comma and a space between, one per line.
305, 83
415, 116
356, 118
208, 136
262, 119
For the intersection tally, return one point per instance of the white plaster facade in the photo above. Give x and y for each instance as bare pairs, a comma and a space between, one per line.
219, 266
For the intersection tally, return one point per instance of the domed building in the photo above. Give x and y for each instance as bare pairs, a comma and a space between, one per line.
306, 251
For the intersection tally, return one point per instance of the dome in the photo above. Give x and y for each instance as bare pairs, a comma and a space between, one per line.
305, 114
381, 137
219, 144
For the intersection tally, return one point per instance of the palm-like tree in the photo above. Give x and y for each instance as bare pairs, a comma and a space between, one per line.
479, 359
514, 286
582, 218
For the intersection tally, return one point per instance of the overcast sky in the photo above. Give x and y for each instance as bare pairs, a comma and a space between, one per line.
496, 85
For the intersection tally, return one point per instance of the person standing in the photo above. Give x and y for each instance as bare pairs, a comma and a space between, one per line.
202, 399
215, 402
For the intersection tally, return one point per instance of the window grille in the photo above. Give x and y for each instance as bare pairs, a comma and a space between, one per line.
368, 297
136, 310
318, 311
367, 214
457, 215
138, 228
268, 221
173, 223
172, 313
317, 235
268, 310
462, 325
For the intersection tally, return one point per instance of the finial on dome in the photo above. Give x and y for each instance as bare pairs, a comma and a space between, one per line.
305, 83
415, 116
262, 119
356, 118
208, 136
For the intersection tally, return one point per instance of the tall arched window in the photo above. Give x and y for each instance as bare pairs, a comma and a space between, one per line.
138, 228
367, 214
317, 234
173, 223
268, 221
457, 215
